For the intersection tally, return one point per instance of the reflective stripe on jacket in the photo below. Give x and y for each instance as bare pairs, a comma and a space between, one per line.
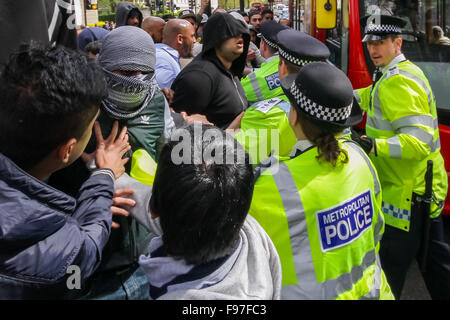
263, 83
265, 129
402, 117
326, 224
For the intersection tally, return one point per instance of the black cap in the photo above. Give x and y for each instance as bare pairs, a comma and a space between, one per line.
300, 48
379, 27
323, 92
187, 14
269, 31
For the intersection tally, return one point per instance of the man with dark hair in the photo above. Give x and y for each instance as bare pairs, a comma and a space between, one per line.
50, 100
134, 99
255, 19
127, 14
210, 248
209, 85
266, 15
402, 137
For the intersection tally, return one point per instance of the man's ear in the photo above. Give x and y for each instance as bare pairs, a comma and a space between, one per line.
180, 38
398, 43
65, 150
293, 116
282, 68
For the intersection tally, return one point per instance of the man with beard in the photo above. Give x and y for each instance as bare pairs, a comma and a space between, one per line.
127, 14
178, 42
210, 84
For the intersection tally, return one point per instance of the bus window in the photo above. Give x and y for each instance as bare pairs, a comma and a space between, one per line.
337, 38
425, 42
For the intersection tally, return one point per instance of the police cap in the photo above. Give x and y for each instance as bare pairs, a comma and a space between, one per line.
300, 48
269, 31
324, 93
379, 27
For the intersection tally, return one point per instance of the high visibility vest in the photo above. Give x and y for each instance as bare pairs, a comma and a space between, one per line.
263, 83
326, 224
143, 167
402, 117
265, 129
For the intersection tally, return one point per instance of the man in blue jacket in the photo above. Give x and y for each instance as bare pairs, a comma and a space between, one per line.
50, 242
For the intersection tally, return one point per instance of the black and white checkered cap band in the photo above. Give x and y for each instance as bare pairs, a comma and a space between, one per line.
270, 43
318, 111
292, 59
384, 28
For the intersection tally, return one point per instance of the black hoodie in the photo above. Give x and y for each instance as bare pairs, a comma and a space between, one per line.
205, 86
122, 12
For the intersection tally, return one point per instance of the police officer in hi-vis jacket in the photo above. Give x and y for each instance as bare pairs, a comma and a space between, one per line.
322, 207
402, 136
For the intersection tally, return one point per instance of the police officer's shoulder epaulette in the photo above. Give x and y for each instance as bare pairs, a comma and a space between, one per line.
392, 71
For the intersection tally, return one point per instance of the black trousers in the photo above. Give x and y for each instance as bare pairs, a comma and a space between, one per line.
398, 249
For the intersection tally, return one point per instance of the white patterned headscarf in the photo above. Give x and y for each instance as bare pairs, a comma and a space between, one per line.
128, 49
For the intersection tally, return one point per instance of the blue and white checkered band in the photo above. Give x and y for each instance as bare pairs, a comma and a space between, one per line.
384, 28
318, 111
292, 59
270, 43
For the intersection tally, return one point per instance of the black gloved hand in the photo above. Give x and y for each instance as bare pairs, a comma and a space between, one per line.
365, 142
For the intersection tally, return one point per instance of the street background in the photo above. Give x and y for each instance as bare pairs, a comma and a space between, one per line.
415, 288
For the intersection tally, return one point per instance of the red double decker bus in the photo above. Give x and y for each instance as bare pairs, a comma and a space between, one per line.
336, 23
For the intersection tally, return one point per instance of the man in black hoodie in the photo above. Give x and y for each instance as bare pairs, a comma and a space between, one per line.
127, 14
210, 85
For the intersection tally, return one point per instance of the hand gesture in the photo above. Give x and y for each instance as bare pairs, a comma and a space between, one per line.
109, 152
121, 204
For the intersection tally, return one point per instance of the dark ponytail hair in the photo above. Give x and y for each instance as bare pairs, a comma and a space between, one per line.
323, 136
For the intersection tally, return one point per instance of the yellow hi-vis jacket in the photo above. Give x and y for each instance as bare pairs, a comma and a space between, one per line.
263, 83
326, 224
402, 118
265, 129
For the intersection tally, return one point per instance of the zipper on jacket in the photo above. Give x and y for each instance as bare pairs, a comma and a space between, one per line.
235, 85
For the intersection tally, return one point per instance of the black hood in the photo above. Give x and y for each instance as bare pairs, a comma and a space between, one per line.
123, 10
219, 28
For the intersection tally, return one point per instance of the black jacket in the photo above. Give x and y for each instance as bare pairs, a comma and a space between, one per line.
205, 86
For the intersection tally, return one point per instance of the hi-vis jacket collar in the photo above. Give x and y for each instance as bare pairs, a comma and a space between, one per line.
401, 57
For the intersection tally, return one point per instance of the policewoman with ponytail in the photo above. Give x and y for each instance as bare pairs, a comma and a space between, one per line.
321, 207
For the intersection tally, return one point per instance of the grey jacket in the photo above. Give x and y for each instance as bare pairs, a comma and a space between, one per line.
251, 271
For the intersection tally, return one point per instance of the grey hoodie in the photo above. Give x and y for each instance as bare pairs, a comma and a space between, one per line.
251, 271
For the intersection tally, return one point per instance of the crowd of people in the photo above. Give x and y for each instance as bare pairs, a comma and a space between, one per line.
212, 157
